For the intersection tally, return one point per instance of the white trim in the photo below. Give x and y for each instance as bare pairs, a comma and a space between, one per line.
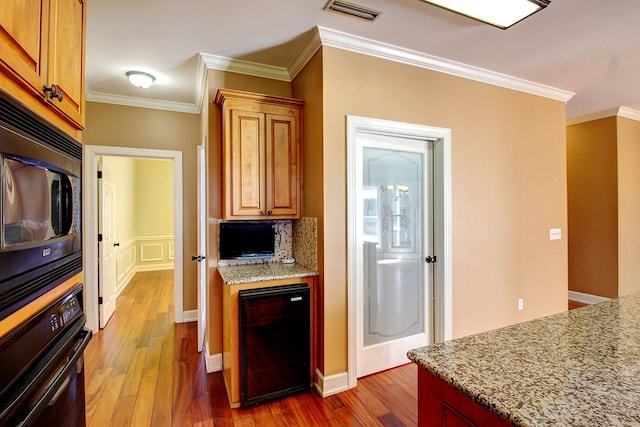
586, 298
216, 62
313, 45
337, 39
90, 217
156, 104
345, 41
149, 238
154, 267
443, 317
213, 362
331, 384
611, 112
629, 113
190, 316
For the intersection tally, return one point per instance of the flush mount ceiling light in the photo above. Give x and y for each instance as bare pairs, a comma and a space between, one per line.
140, 79
500, 13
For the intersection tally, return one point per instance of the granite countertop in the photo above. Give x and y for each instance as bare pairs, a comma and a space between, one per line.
239, 274
576, 368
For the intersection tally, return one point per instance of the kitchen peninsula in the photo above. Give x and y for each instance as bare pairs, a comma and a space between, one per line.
576, 368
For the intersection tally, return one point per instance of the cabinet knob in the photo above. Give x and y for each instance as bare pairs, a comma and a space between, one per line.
54, 92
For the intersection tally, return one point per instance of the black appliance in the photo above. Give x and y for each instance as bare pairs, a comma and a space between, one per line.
247, 239
40, 206
275, 342
41, 367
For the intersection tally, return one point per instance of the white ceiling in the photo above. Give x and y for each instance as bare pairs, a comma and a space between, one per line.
587, 47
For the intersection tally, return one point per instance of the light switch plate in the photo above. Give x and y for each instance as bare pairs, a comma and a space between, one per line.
555, 233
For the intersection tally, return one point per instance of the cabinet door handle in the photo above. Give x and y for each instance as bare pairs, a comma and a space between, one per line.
265, 213
54, 92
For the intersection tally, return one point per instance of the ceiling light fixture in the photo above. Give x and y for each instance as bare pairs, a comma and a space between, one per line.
500, 13
140, 79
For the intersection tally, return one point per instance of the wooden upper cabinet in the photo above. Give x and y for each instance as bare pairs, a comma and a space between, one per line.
261, 155
65, 68
42, 51
23, 40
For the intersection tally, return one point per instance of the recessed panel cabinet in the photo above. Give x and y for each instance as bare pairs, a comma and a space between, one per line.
42, 52
261, 155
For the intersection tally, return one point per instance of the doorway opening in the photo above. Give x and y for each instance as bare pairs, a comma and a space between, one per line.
92, 155
399, 222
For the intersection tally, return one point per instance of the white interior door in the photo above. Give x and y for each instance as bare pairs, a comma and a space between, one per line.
201, 259
394, 236
107, 245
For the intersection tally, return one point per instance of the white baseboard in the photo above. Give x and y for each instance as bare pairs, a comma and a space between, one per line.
212, 361
154, 267
331, 384
586, 298
189, 316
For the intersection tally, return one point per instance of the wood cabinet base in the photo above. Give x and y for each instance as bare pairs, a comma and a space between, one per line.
439, 405
231, 331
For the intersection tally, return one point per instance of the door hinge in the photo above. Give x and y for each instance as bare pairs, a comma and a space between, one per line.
430, 259
99, 174
99, 237
99, 300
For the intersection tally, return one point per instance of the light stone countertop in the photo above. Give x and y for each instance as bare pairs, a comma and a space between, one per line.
240, 274
576, 368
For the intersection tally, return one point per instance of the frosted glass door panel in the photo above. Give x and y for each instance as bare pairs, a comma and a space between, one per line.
393, 291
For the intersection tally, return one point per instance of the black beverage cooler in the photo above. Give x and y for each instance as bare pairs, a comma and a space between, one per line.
274, 342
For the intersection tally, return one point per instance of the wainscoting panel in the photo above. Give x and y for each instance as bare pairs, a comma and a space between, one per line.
155, 253
142, 254
150, 252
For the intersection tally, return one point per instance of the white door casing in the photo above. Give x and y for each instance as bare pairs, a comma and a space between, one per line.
106, 246
442, 237
90, 224
201, 258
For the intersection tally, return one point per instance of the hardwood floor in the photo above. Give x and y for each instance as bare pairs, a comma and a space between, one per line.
144, 370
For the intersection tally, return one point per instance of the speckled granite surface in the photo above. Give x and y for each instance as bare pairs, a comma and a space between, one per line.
577, 368
239, 274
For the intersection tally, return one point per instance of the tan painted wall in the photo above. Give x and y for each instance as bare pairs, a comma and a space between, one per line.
154, 197
628, 134
121, 126
308, 85
509, 188
592, 177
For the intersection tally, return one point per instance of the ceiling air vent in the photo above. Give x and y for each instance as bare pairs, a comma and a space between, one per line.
354, 10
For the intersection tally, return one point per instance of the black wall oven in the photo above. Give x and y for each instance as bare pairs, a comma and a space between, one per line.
40, 206
42, 367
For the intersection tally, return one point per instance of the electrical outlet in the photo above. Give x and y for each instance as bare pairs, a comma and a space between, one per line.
555, 233
520, 304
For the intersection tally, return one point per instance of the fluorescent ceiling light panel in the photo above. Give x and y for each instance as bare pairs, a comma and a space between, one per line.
501, 13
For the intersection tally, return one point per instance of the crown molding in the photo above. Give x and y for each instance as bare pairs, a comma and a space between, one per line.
340, 40
239, 66
629, 113
345, 41
611, 112
130, 101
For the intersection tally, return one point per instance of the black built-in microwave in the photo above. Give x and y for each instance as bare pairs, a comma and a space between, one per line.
40, 206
